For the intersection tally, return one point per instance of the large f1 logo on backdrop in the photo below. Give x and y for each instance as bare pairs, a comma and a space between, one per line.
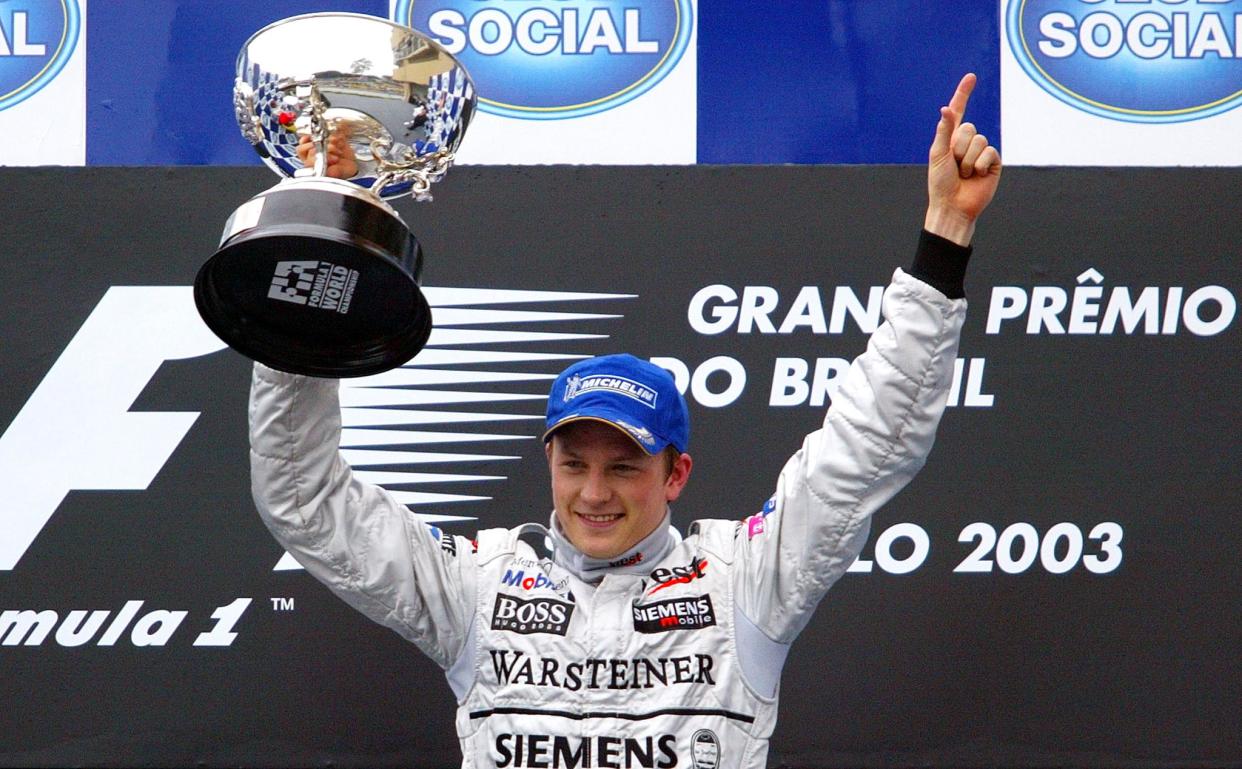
76, 432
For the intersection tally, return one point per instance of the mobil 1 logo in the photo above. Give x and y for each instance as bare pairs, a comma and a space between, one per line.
536, 615
689, 613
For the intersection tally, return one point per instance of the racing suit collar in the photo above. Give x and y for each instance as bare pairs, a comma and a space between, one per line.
637, 560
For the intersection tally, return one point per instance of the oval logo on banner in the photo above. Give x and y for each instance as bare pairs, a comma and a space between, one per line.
556, 59
37, 37
1146, 61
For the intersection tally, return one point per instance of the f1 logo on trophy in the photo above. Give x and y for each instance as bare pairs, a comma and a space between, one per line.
319, 275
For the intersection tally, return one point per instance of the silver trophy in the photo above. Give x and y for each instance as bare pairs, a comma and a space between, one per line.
319, 275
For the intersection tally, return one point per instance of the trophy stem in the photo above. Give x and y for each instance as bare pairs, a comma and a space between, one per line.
312, 120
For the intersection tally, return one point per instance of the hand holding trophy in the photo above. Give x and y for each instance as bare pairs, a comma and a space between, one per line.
318, 275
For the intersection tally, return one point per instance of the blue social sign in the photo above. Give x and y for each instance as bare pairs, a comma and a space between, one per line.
1148, 61
556, 59
37, 37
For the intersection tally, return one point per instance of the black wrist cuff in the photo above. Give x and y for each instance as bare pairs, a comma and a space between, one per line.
941, 264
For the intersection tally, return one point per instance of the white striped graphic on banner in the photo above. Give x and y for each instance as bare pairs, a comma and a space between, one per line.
393, 421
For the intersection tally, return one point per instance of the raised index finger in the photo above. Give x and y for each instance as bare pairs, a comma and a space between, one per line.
962, 95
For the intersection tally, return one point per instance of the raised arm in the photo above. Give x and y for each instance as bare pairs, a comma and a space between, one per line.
883, 419
352, 536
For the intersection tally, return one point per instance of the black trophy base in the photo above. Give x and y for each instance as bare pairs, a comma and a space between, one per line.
316, 280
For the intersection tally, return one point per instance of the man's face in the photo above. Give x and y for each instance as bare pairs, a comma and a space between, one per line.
609, 493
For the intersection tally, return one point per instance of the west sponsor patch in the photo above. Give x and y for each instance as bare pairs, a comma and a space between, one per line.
689, 613
627, 561
678, 575
529, 616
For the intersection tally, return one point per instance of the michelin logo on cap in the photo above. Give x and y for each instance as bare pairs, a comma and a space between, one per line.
1145, 62
577, 385
556, 59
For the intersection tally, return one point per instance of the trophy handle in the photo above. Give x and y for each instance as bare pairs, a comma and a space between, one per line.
419, 172
243, 108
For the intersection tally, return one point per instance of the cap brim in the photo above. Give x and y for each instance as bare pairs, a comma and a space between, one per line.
618, 422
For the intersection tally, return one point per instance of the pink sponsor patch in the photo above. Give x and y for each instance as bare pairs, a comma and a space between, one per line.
754, 526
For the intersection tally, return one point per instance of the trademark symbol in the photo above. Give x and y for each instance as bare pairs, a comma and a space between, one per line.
282, 604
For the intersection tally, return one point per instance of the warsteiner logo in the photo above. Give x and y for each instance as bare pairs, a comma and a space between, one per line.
37, 38
1149, 62
555, 59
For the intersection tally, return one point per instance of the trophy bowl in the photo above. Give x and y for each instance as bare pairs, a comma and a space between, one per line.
319, 275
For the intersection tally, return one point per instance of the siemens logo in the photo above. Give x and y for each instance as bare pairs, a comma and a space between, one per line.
546, 751
675, 614
1147, 61
556, 59
37, 37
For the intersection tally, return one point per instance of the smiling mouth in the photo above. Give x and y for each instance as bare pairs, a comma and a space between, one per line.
599, 520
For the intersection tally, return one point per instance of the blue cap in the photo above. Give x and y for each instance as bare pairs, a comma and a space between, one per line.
635, 396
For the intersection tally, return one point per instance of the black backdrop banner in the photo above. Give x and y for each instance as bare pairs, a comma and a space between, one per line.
1060, 585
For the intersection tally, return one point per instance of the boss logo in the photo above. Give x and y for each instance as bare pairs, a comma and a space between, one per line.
537, 615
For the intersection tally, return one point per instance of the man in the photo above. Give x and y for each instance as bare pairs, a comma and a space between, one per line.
627, 645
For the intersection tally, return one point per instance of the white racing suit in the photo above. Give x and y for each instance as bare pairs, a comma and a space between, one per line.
675, 666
